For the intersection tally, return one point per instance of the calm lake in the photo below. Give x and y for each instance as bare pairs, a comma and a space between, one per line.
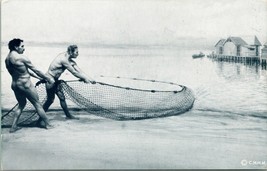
230, 97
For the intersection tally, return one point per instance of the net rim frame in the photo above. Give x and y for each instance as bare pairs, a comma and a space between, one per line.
59, 82
136, 89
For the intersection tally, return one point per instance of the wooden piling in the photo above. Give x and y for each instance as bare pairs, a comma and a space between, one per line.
240, 59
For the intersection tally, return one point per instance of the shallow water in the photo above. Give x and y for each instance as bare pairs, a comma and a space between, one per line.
231, 98
221, 87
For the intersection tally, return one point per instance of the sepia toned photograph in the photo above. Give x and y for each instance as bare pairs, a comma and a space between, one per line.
133, 84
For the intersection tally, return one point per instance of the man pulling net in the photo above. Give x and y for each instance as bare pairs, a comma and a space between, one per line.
21, 68
118, 102
109, 100
62, 62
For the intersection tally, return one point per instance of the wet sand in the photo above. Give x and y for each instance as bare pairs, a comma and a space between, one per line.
98, 143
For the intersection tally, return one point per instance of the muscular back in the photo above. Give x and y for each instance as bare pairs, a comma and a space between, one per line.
16, 67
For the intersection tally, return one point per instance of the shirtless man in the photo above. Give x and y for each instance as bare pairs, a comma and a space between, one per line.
19, 67
62, 62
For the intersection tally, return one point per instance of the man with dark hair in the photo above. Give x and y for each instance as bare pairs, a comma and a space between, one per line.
19, 67
62, 62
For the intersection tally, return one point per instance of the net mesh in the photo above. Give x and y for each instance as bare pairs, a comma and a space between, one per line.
116, 101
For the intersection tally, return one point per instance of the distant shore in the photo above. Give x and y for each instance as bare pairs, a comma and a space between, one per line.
189, 45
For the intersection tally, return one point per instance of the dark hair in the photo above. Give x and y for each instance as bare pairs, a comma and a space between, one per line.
72, 48
14, 43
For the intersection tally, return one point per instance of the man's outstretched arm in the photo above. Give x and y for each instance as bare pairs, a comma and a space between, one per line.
34, 75
75, 66
39, 73
70, 67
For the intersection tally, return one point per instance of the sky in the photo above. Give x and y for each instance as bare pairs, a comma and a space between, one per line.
132, 21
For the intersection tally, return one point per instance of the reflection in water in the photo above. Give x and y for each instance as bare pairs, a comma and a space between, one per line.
238, 70
242, 69
220, 66
257, 68
263, 67
240, 88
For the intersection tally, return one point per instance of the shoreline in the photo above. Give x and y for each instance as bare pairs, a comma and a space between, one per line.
98, 143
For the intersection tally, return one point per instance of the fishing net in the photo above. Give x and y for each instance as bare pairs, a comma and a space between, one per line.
116, 101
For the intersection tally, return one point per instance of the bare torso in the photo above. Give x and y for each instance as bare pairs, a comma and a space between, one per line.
18, 71
57, 67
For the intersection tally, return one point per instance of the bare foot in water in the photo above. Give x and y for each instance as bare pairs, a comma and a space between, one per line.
14, 129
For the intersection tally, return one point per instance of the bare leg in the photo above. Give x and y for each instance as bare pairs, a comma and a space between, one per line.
42, 114
47, 104
33, 97
17, 113
50, 99
50, 91
64, 105
18, 110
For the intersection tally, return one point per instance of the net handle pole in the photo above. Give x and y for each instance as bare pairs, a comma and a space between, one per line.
72, 80
78, 81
